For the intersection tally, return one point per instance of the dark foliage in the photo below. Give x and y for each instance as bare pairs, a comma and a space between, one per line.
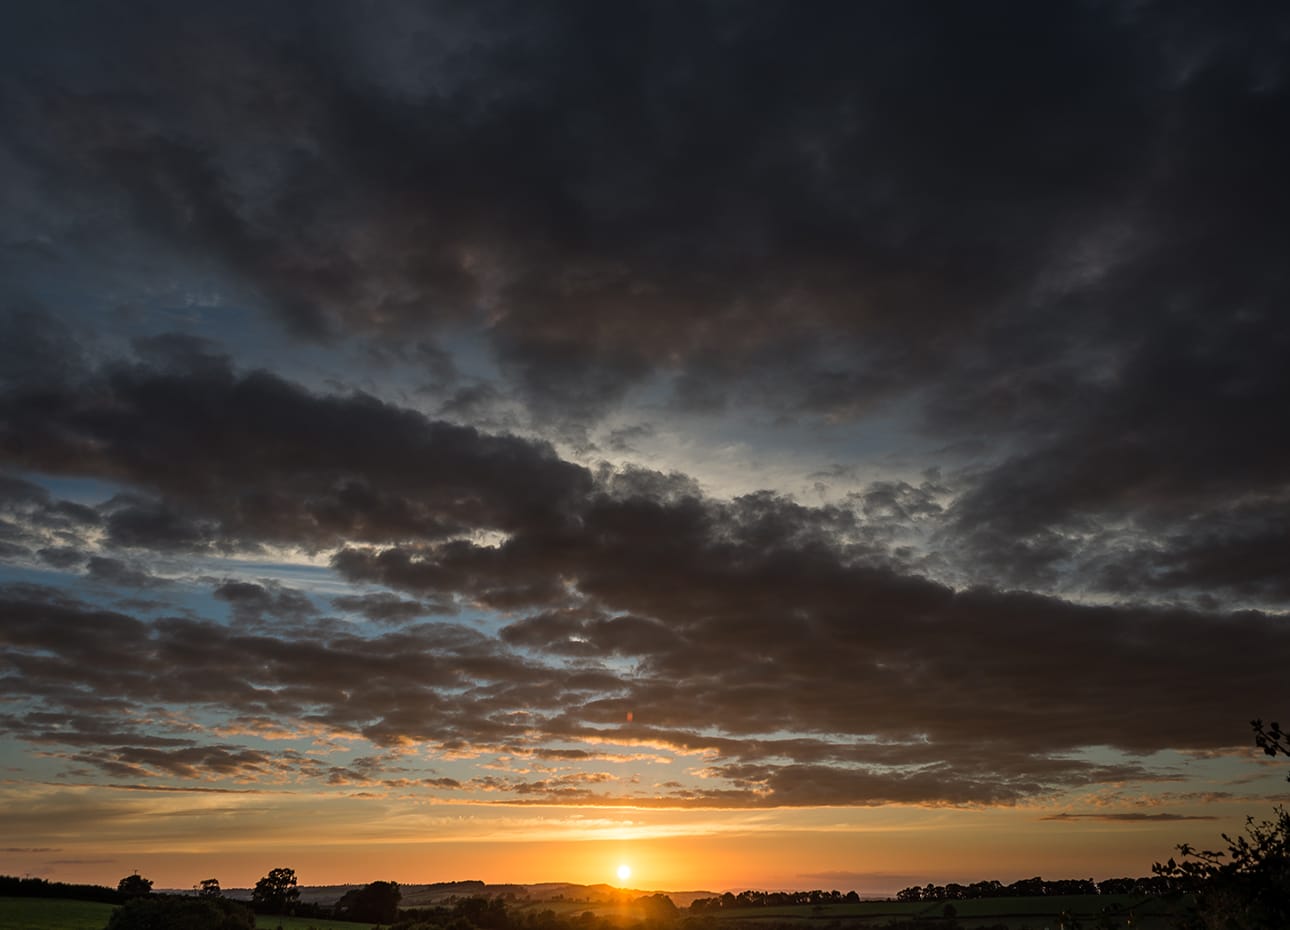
13, 887
751, 898
133, 886
1272, 740
1245, 888
1248, 886
657, 907
276, 893
377, 903
175, 912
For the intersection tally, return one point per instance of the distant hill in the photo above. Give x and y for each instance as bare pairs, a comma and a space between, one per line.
441, 892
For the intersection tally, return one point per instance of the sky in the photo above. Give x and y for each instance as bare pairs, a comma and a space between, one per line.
768, 445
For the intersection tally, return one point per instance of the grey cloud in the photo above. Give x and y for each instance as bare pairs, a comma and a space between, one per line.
185, 762
136, 522
183, 789
12, 550
121, 574
252, 601
31, 516
384, 607
61, 557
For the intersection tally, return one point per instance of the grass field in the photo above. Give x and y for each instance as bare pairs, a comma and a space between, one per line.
1013, 913
1035, 913
57, 914
52, 914
264, 922
1039, 913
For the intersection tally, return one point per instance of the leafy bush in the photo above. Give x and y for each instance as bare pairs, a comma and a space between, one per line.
173, 912
1245, 888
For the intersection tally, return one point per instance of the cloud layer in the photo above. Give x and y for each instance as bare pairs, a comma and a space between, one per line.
360, 374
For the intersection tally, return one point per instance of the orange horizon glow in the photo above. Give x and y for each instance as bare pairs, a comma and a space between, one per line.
876, 857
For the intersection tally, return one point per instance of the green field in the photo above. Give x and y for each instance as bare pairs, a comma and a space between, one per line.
1013, 913
57, 914
264, 922
1032, 913
52, 914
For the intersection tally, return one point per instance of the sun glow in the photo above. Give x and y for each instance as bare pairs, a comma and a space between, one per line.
624, 872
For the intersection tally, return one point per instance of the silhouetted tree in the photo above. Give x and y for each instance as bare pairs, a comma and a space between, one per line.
210, 888
486, 913
377, 903
276, 893
133, 886
1245, 888
657, 907
1248, 886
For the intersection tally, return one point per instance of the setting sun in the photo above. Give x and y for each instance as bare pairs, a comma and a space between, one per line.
624, 872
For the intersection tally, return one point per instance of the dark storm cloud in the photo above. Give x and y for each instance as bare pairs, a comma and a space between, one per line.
132, 521
814, 210
733, 621
1060, 228
1178, 448
755, 615
35, 348
756, 632
244, 459
1057, 233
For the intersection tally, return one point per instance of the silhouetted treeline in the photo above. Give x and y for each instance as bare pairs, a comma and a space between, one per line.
13, 887
181, 912
494, 914
1025, 888
1038, 887
771, 899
